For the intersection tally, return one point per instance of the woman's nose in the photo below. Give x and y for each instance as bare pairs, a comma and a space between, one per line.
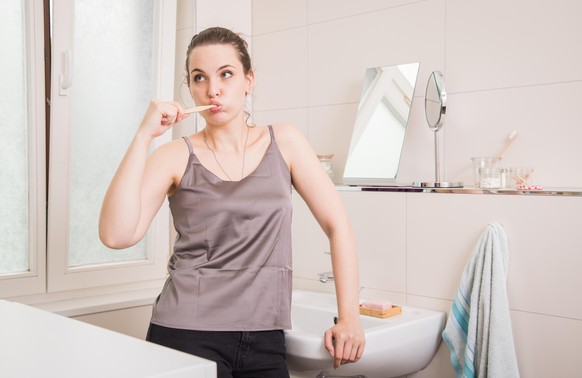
213, 89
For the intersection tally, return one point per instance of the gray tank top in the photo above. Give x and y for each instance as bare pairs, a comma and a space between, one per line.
231, 266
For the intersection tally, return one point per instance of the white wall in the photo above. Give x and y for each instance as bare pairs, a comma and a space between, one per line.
507, 65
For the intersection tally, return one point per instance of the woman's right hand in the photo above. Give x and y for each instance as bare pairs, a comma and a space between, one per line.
160, 117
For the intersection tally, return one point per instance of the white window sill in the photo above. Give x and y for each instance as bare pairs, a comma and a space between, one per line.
96, 300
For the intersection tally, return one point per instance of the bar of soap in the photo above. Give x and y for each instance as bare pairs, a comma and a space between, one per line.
380, 305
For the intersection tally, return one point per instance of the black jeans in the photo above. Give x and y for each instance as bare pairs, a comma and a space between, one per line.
259, 354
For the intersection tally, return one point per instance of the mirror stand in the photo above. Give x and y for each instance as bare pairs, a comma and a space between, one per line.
435, 108
437, 183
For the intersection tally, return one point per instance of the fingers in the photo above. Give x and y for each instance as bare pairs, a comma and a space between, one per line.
328, 339
344, 346
171, 113
345, 353
161, 116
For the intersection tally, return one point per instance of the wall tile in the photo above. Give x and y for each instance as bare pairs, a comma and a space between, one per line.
437, 253
311, 284
542, 265
478, 123
297, 117
440, 366
270, 16
309, 243
281, 69
341, 50
547, 346
379, 229
375, 294
500, 44
232, 14
324, 10
330, 131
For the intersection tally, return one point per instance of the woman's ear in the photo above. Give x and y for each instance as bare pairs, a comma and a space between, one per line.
250, 81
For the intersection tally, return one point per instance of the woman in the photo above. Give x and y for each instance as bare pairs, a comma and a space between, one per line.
228, 295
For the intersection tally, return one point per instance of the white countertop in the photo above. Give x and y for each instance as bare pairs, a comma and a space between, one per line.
35, 343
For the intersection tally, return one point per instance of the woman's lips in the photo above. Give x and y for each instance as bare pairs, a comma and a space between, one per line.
217, 107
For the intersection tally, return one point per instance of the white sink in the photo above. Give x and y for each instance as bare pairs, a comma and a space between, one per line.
395, 346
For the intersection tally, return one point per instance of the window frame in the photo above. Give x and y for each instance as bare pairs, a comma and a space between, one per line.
50, 283
34, 280
61, 277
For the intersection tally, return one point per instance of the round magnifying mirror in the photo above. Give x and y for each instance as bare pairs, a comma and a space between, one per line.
435, 101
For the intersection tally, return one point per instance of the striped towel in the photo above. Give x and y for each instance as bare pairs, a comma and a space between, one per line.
478, 330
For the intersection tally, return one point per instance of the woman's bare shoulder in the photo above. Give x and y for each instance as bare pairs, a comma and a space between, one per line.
175, 146
287, 133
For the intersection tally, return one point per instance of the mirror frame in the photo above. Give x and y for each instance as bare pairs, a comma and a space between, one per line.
405, 102
435, 95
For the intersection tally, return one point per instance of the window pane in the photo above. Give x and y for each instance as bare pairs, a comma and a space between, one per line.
14, 230
112, 83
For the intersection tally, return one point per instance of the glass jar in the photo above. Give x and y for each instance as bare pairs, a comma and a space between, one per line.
326, 161
483, 162
519, 176
490, 178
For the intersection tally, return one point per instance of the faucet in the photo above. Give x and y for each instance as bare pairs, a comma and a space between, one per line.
325, 277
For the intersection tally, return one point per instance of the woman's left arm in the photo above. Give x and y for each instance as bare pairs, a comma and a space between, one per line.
345, 341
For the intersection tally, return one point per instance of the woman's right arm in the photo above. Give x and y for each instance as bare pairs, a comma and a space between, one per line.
141, 183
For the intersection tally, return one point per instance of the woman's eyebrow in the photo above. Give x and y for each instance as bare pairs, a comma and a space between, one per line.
219, 68
225, 66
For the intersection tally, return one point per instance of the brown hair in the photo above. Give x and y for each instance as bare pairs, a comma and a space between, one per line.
220, 36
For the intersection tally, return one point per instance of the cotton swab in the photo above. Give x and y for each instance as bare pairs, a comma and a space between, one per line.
198, 109
510, 138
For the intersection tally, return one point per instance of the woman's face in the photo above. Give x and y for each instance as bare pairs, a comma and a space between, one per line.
217, 78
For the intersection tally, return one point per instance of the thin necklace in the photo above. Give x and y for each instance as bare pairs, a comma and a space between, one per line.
217, 162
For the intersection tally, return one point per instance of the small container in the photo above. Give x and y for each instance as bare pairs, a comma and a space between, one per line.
490, 177
519, 176
327, 164
483, 162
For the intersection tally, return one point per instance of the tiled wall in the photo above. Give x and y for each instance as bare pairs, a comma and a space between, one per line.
508, 66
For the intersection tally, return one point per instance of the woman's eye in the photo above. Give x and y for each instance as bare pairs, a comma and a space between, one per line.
197, 78
226, 74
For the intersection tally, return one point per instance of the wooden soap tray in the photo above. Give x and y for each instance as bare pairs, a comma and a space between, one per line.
395, 310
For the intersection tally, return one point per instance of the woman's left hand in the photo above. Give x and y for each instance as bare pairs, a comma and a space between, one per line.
345, 342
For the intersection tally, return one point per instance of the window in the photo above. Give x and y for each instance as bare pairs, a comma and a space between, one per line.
109, 58
22, 122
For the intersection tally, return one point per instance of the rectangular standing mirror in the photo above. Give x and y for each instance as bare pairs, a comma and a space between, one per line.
380, 126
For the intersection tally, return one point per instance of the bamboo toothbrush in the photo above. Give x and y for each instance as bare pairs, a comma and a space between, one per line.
198, 109
510, 138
